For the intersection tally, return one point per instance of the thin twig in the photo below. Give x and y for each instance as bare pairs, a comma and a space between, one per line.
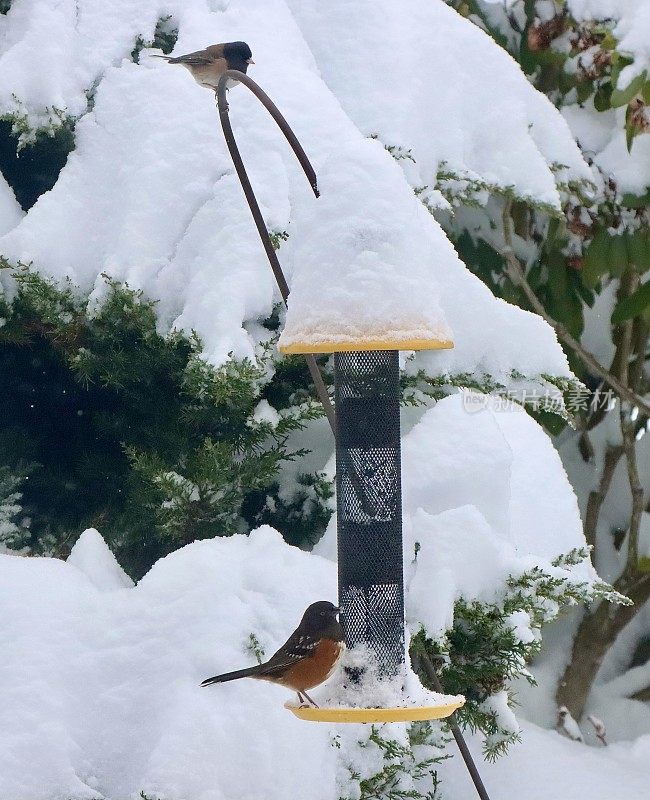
629, 447
636, 587
597, 497
518, 277
637, 370
631, 374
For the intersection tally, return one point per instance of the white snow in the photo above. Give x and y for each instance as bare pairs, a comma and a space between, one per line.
366, 257
264, 412
100, 690
631, 169
514, 506
547, 764
91, 555
602, 137
415, 73
170, 217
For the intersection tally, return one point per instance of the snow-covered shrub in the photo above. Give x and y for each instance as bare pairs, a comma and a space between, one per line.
491, 644
391, 764
137, 432
12, 533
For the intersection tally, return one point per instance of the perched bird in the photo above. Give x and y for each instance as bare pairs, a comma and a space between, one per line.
306, 659
208, 65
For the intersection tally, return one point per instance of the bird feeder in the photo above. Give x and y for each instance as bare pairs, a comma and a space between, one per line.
368, 467
369, 522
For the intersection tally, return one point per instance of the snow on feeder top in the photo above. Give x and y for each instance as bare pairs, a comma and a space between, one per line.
362, 278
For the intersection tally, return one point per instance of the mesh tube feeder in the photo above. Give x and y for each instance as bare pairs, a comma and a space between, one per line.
369, 527
368, 470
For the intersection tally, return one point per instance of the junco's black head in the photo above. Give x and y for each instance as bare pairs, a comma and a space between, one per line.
238, 55
321, 618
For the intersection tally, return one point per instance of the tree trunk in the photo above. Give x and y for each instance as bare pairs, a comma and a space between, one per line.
596, 634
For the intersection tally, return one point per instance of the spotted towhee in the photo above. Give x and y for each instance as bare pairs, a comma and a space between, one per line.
307, 658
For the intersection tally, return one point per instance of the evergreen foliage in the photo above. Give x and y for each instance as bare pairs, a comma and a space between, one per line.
11, 533
407, 769
485, 649
164, 38
31, 161
135, 434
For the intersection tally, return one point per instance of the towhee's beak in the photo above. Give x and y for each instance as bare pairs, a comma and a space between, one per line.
249, 61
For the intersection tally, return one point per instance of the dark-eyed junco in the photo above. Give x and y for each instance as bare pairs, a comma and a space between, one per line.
208, 65
307, 658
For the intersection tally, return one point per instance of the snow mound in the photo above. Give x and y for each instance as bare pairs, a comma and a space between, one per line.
415, 74
91, 555
546, 763
499, 503
101, 694
361, 242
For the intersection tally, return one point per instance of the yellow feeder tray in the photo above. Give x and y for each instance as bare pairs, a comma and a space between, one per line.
401, 714
366, 344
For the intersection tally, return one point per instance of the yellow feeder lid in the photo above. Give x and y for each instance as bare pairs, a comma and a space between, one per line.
365, 344
360, 715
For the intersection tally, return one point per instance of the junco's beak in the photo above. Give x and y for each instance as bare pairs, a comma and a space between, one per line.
249, 61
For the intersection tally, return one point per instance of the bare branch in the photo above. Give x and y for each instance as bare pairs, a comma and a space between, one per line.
597, 497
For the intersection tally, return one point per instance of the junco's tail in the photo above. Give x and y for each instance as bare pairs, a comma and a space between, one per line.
249, 672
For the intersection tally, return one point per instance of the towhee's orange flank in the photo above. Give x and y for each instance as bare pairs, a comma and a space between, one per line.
208, 65
307, 658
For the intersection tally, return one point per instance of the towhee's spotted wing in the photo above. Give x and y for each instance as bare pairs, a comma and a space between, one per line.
306, 659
